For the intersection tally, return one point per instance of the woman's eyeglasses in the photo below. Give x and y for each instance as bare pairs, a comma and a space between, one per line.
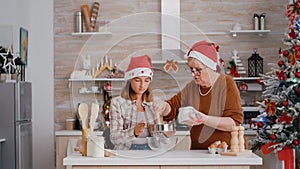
195, 71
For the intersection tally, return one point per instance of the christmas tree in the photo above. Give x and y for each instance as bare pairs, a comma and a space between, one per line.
278, 125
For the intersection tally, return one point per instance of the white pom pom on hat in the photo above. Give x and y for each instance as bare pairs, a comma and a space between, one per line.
139, 66
206, 53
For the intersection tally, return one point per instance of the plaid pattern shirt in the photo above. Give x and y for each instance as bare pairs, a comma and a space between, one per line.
123, 119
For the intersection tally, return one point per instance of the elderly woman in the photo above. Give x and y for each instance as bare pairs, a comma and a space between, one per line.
214, 97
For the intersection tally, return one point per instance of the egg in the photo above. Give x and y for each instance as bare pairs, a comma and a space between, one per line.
212, 146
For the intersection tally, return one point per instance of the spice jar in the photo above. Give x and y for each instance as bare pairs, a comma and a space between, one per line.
70, 124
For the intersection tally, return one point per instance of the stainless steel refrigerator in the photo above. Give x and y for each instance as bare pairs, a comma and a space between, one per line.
16, 125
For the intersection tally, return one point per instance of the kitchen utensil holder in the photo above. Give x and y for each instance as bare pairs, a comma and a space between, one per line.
85, 133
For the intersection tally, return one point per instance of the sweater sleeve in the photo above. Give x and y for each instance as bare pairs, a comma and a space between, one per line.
175, 104
121, 137
233, 106
182, 98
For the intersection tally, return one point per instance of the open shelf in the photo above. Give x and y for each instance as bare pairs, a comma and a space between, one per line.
90, 33
97, 79
259, 32
164, 61
250, 108
245, 78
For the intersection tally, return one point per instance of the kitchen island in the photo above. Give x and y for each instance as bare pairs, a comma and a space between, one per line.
174, 159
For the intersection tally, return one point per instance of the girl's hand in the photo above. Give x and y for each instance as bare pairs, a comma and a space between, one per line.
139, 128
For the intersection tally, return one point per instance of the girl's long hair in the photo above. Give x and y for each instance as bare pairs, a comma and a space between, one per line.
129, 94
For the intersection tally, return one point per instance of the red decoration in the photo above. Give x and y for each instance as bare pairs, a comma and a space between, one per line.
286, 53
297, 74
280, 63
292, 34
234, 72
243, 87
298, 119
267, 149
296, 142
287, 155
260, 124
298, 90
286, 118
233, 69
294, 57
285, 103
259, 81
280, 51
270, 107
281, 75
273, 137
171, 64
107, 86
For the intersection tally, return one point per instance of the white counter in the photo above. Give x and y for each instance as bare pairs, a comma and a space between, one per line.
171, 158
178, 133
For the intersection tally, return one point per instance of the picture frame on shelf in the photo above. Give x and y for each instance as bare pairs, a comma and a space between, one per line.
24, 45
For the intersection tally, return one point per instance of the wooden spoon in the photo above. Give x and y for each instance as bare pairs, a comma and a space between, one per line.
94, 115
83, 111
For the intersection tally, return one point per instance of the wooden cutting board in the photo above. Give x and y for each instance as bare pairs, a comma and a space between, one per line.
229, 153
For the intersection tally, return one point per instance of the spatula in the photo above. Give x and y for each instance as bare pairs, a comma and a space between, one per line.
94, 115
83, 111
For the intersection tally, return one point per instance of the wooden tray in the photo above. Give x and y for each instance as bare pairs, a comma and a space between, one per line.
229, 153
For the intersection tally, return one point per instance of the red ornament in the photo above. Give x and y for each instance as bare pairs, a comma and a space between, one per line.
297, 74
298, 90
107, 86
259, 81
286, 53
298, 119
296, 142
280, 63
243, 87
273, 137
280, 75
260, 124
285, 103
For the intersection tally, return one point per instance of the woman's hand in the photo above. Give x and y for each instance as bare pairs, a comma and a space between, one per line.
190, 116
199, 118
139, 128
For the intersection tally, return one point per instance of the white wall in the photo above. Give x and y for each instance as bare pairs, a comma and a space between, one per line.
40, 72
37, 17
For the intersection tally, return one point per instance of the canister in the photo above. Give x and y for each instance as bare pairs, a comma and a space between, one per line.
256, 21
70, 124
262, 19
95, 146
78, 22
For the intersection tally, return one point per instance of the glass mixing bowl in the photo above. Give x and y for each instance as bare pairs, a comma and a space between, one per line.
161, 143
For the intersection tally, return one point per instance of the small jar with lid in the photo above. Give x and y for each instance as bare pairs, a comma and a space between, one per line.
70, 124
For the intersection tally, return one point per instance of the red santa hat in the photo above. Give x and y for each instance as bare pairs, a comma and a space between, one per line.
139, 66
206, 53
